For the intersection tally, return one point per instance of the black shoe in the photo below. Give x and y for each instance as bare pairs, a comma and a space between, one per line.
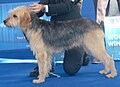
73, 61
35, 72
86, 60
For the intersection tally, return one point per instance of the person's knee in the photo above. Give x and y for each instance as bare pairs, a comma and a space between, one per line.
73, 60
72, 70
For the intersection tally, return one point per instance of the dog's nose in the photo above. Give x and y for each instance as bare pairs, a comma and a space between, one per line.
4, 21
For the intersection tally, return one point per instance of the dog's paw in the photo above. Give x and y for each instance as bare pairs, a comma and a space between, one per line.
103, 72
111, 75
38, 81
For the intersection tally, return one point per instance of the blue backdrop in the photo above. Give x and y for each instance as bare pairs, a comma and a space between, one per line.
112, 36
12, 38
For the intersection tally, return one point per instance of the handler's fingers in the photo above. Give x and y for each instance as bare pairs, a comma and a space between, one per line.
35, 10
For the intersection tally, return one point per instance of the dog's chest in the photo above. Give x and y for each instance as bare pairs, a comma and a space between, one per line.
35, 39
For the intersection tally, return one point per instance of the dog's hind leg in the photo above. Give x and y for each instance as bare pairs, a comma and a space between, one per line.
112, 68
94, 44
108, 63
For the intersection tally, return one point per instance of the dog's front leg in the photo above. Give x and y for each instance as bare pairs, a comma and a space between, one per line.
42, 65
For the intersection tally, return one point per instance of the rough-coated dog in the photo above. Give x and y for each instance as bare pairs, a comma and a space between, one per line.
47, 37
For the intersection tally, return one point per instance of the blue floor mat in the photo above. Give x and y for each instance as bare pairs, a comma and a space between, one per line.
17, 75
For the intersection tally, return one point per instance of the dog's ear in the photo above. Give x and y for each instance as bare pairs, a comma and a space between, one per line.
25, 20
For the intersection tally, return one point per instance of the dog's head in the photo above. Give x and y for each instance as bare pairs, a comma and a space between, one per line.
18, 17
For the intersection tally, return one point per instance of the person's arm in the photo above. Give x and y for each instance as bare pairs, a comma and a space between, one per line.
60, 9
53, 9
42, 2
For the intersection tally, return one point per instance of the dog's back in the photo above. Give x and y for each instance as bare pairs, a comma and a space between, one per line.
66, 33
63, 34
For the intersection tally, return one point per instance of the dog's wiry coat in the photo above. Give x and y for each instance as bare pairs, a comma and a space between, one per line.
63, 35
46, 38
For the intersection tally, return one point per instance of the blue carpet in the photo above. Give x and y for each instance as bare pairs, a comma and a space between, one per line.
17, 54
17, 75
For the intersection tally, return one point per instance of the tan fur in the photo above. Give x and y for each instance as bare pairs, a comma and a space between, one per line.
93, 43
96, 37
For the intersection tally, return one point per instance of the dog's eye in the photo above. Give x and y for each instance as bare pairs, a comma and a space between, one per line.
15, 16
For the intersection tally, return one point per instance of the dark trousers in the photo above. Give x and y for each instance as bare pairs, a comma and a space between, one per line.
73, 60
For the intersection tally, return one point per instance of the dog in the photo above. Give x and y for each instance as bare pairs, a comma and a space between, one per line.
48, 37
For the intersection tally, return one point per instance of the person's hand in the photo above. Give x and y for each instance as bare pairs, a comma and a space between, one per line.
35, 7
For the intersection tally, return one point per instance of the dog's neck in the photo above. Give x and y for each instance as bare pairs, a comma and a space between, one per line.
33, 22
36, 22
34, 18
